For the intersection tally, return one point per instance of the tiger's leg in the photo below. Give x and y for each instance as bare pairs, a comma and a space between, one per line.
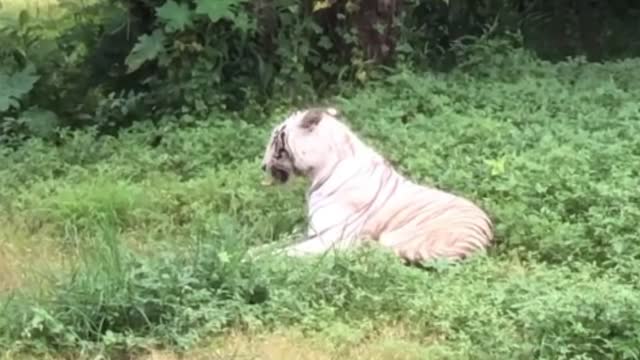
445, 242
415, 246
329, 229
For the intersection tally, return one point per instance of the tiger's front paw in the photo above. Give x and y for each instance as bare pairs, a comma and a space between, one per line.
293, 251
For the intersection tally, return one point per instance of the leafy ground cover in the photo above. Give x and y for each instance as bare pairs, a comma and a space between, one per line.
135, 245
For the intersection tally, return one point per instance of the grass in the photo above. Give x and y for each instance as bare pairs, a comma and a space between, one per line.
114, 246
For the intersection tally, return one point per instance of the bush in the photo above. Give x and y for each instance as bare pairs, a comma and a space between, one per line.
110, 63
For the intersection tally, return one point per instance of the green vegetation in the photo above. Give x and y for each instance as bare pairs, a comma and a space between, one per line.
157, 233
127, 208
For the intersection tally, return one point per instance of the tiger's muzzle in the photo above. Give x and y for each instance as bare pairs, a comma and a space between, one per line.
280, 174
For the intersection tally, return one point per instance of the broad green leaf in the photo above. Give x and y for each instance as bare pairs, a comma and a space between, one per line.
147, 48
15, 86
40, 122
216, 9
175, 16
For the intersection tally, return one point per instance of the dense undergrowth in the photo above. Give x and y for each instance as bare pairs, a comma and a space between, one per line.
156, 222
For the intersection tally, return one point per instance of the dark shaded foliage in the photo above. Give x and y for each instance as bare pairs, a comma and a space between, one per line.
192, 59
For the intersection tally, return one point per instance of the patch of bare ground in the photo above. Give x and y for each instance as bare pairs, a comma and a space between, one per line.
28, 258
390, 343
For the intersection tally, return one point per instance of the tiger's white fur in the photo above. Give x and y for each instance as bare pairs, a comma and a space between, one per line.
356, 194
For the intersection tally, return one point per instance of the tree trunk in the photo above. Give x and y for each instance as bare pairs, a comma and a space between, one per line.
267, 21
558, 29
377, 30
591, 15
460, 18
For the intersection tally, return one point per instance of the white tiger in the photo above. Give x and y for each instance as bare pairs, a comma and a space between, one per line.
356, 194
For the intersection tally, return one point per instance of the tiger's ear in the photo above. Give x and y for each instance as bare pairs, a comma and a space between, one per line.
311, 119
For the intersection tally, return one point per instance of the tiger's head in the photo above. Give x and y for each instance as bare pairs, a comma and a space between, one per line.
306, 143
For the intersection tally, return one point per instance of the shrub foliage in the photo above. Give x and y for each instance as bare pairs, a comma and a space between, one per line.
104, 63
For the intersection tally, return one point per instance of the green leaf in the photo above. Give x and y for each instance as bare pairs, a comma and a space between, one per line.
325, 42
40, 122
224, 257
243, 23
216, 9
13, 87
322, 4
175, 16
147, 48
